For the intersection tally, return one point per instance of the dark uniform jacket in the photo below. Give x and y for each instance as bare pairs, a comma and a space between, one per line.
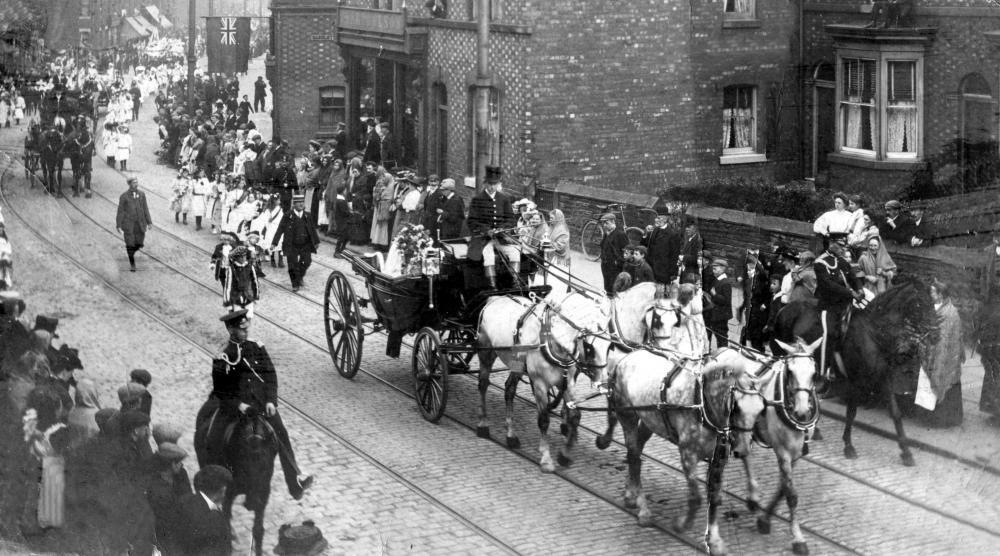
449, 223
297, 232
898, 231
721, 295
664, 246
251, 379
487, 213
206, 531
833, 283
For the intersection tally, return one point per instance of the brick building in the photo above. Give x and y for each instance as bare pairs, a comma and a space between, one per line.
885, 100
605, 95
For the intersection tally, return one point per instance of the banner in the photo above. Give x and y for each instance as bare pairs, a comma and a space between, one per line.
227, 44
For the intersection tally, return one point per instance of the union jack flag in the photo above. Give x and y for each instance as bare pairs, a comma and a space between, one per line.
227, 30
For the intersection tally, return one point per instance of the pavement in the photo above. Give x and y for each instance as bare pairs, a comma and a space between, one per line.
388, 482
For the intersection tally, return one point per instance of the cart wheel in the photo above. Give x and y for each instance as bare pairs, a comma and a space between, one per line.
590, 240
634, 235
430, 375
342, 316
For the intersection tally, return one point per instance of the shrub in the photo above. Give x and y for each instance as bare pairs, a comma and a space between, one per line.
946, 173
795, 200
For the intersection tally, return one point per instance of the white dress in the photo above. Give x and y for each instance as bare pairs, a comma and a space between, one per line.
109, 143
199, 196
123, 147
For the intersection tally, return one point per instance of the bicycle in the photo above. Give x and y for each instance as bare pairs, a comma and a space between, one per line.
592, 233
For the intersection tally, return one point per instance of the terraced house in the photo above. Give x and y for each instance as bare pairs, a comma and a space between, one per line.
587, 96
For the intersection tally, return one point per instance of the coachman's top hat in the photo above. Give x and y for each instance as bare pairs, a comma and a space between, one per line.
493, 174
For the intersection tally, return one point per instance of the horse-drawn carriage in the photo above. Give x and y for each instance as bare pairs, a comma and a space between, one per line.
52, 139
441, 304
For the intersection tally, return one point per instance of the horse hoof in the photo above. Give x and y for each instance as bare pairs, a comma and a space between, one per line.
850, 452
602, 442
483, 432
563, 461
908, 460
514, 443
763, 526
800, 548
816, 434
645, 520
563, 429
753, 505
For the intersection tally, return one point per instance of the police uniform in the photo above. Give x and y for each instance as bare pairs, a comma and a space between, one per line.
834, 290
242, 374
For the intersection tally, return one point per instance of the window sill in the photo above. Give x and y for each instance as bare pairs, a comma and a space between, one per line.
741, 24
872, 164
751, 158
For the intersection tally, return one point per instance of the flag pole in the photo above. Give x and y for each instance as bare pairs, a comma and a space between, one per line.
192, 54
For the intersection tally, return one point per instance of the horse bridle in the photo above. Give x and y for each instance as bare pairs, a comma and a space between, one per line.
780, 401
724, 431
580, 345
657, 322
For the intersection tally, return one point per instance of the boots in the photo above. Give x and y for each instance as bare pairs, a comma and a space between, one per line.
197, 223
273, 264
281, 261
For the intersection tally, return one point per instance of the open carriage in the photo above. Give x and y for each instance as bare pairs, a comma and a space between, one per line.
441, 305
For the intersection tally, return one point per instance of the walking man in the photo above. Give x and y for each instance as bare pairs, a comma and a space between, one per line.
133, 219
244, 382
300, 240
259, 93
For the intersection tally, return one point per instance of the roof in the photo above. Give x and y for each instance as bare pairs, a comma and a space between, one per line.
132, 29
20, 15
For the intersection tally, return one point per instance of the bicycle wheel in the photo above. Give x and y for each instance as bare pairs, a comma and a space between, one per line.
590, 240
634, 235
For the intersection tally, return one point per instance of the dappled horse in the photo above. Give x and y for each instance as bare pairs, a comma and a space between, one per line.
249, 452
881, 350
51, 155
705, 411
551, 339
788, 386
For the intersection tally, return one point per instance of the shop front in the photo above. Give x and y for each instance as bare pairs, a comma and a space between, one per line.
385, 70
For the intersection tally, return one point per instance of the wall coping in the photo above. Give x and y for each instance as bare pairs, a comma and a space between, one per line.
641, 200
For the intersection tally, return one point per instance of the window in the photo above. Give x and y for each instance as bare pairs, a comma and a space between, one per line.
332, 108
489, 138
740, 9
879, 96
739, 120
496, 10
382, 4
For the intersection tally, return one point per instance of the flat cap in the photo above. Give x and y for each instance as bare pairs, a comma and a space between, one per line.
448, 184
166, 432
893, 204
141, 376
130, 391
607, 217
171, 452
638, 248
720, 262
836, 236
133, 419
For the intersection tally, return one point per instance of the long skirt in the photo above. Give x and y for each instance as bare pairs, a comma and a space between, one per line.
989, 401
215, 206
51, 499
948, 412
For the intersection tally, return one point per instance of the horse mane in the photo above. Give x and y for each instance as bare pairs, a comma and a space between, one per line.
903, 314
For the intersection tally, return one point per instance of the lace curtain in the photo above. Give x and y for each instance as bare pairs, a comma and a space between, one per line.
737, 128
901, 126
856, 118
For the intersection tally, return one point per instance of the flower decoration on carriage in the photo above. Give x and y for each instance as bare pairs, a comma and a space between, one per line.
413, 245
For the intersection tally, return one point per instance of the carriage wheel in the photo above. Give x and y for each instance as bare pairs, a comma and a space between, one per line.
590, 240
430, 375
342, 316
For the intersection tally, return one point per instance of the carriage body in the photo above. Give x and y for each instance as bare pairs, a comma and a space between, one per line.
442, 310
66, 104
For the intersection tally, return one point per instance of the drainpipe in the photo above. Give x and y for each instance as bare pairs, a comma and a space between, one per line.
482, 97
192, 55
802, 91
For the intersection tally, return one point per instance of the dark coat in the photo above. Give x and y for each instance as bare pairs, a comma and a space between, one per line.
259, 89
721, 294
164, 499
664, 245
612, 255
206, 532
486, 214
834, 286
898, 231
133, 217
433, 202
387, 156
251, 380
449, 224
373, 148
341, 216
756, 300
641, 272
297, 233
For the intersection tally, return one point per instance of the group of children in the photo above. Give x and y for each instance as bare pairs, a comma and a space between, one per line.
116, 143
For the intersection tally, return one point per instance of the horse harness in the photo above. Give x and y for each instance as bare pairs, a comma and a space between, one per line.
545, 345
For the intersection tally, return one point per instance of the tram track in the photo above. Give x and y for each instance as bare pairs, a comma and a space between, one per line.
209, 354
530, 403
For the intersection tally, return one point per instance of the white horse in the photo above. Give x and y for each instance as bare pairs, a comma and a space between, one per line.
552, 339
703, 411
787, 384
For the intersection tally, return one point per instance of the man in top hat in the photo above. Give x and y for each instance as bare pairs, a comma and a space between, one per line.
450, 212
721, 295
835, 290
133, 219
491, 222
299, 242
612, 251
663, 241
244, 382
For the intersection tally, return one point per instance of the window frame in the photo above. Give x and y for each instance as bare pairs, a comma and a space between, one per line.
744, 155
334, 108
882, 55
740, 16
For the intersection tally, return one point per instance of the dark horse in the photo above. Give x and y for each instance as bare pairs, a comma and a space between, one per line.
881, 351
52, 155
248, 454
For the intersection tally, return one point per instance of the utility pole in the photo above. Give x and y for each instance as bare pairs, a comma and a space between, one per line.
482, 90
192, 53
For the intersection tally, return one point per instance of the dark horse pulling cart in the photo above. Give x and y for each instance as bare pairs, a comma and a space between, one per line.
47, 145
441, 309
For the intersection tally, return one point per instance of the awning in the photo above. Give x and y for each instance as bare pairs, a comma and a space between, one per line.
132, 29
150, 28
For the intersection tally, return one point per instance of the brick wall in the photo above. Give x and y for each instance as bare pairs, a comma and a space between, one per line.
302, 66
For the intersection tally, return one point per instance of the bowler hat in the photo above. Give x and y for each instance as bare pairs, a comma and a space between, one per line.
141, 376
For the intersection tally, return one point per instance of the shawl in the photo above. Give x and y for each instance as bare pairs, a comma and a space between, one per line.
944, 362
338, 178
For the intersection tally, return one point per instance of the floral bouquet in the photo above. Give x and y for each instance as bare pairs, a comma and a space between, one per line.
411, 243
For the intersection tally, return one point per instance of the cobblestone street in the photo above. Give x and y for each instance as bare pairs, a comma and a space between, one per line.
388, 482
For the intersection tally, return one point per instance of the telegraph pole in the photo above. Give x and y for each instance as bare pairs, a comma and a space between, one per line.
482, 90
192, 54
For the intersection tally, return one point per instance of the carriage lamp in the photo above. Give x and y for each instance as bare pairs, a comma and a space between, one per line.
431, 263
